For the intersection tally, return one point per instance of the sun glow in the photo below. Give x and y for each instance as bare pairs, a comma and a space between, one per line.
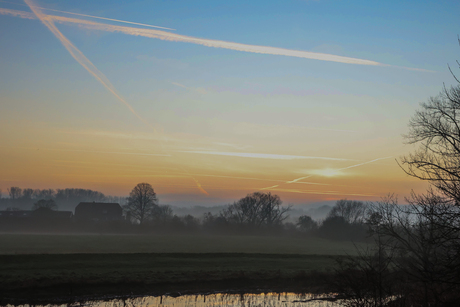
327, 172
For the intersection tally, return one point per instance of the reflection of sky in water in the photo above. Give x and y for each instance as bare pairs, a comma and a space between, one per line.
211, 300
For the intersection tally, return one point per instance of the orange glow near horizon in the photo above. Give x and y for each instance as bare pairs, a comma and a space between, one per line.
116, 164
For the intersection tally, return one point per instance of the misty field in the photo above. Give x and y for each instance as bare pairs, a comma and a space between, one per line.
67, 244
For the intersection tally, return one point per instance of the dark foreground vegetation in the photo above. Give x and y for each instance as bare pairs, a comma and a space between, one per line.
76, 267
63, 278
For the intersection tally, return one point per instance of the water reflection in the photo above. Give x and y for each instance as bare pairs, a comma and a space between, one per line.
212, 300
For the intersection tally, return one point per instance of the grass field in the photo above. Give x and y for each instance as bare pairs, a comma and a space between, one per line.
66, 244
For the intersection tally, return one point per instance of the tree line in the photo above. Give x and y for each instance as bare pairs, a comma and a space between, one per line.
256, 213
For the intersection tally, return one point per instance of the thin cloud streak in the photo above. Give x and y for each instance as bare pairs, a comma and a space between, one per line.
262, 155
17, 13
92, 151
272, 188
200, 187
196, 182
340, 169
215, 43
163, 35
198, 90
92, 16
82, 59
321, 193
251, 178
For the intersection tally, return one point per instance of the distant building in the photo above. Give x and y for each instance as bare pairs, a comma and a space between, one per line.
15, 214
36, 215
92, 211
47, 213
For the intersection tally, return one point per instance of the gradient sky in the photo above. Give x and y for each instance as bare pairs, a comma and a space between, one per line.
207, 112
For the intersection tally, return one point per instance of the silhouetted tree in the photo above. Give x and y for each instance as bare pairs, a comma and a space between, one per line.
142, 202
27, 194
215, 223
161, 214
75, 196
436, 129
351, 211
430, 233
337, 228
306, 224
45, 203
256, 209
44, 194
14, 193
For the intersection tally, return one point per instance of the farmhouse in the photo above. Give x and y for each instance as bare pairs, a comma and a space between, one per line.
92, 211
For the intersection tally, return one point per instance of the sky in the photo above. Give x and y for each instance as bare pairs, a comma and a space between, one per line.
209, 101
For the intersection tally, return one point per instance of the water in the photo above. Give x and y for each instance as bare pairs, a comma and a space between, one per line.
215, 300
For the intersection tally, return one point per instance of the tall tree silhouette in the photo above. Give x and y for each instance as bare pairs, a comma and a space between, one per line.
142, 202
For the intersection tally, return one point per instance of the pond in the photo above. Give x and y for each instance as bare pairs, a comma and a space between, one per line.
215, 300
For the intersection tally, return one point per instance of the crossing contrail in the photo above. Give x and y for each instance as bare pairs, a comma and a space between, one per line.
82, 59
262, 155
168, 36
92, 16
340, 169
163, 35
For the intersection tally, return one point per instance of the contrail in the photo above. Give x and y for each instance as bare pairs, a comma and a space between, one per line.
197, 183
85, 62
91, 16
321, 193
340, 169
91, 151
82, 59
163, 35
262, 155
251, 178
199, 187
17, 13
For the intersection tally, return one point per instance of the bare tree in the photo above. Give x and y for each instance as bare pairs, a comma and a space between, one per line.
256, 209
14, 192
425, 235
44, 194
351, 211
427, 247
306, 223
162, 214
142, 202
27, 194
45, 203
436, 129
